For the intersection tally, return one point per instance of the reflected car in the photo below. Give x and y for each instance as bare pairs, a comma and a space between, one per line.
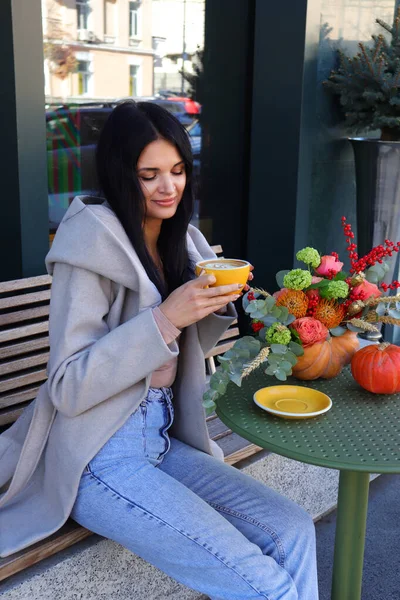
71, 137
72, 133
178, 109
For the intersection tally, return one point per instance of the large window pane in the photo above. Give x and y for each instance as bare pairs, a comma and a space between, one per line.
98, 52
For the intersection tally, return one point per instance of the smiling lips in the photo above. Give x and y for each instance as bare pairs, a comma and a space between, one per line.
167, 202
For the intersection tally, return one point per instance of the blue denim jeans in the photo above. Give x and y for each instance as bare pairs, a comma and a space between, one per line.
204, 523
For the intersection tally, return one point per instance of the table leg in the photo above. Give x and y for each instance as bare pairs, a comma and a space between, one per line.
350, 535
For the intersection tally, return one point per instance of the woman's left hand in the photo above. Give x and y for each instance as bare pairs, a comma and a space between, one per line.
251, 277
222, 311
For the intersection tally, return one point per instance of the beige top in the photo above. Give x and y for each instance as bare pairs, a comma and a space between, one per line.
165, 375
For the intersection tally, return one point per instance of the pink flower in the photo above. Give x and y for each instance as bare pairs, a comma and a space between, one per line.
279, 293
366, 289
329, 266
316, 279
310, 330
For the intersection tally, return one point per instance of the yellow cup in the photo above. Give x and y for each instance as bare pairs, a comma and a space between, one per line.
225, 270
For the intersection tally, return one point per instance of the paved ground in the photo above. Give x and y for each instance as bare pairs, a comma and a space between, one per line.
381, 580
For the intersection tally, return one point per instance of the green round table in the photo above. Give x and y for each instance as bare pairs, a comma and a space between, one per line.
358, 436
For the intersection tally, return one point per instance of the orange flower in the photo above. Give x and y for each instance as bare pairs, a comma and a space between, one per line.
295, 301
330, 313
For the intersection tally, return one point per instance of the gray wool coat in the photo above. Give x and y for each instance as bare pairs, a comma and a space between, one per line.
104, 346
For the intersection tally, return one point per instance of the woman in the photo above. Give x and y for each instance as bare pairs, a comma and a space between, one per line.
107, 441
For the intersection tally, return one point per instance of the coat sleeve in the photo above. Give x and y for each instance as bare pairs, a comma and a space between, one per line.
89, 363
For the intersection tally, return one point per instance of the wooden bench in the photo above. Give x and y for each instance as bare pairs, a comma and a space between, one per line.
24, 352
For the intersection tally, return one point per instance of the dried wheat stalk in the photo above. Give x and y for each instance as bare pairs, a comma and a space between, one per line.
261, 292
389, 320
259, 359
363, 325
383, 299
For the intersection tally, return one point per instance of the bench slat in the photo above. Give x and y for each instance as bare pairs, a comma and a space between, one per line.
9, 415
219, 349
22, 284
229, 333
236, 448
21, 364
24, 315
24, 347
24, 299
69, 534
24, 331
19, 396
20, 380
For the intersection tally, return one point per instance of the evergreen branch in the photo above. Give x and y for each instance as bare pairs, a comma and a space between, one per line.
259, 359
385, 26
379, 44
366, 58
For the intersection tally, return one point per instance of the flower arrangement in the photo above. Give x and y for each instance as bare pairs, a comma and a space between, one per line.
314, 305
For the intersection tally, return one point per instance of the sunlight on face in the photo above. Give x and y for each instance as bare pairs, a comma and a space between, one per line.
161, 173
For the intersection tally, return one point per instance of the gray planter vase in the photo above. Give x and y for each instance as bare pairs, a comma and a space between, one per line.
377, 165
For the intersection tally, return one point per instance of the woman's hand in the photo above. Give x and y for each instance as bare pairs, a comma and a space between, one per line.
251, 277
193, 301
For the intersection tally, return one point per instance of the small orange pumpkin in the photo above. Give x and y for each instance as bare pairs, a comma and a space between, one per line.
377, 368
326, 359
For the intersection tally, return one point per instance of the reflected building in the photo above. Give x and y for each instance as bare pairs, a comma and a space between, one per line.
97, 49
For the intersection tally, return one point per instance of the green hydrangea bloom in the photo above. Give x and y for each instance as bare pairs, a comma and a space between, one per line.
310, 256
297, 279
278, 334
335, 290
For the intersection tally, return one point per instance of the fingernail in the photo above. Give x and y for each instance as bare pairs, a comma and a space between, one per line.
240, 285
236, 296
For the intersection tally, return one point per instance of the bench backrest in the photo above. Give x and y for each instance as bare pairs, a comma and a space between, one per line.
24, 342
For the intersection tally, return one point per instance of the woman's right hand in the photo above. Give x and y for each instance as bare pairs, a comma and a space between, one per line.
193, 301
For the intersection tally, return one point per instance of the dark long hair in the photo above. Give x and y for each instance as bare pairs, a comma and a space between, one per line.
129, 129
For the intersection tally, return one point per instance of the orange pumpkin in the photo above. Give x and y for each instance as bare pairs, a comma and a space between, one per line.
377, 368
326, 359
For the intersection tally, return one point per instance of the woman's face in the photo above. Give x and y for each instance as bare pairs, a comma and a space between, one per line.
161, 173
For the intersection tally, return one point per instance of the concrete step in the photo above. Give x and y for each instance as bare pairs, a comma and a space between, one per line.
98, 569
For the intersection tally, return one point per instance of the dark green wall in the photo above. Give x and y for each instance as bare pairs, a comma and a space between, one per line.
23, 206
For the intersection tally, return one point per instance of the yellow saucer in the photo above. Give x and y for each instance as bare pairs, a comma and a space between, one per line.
292, 401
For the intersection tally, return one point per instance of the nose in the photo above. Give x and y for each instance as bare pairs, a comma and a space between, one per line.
167, 185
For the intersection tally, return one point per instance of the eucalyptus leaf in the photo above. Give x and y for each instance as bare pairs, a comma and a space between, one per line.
275, 358
381, 309
284, 313
269, 320
372, 277
290, 357
337, 331
276, 312
279, 348
262, 333
280, 277
286, 366
236, 378
270, 302
290, 318
297, 349
248, 341
395, 314
210, 395
281, 375
270, 370
354, 328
